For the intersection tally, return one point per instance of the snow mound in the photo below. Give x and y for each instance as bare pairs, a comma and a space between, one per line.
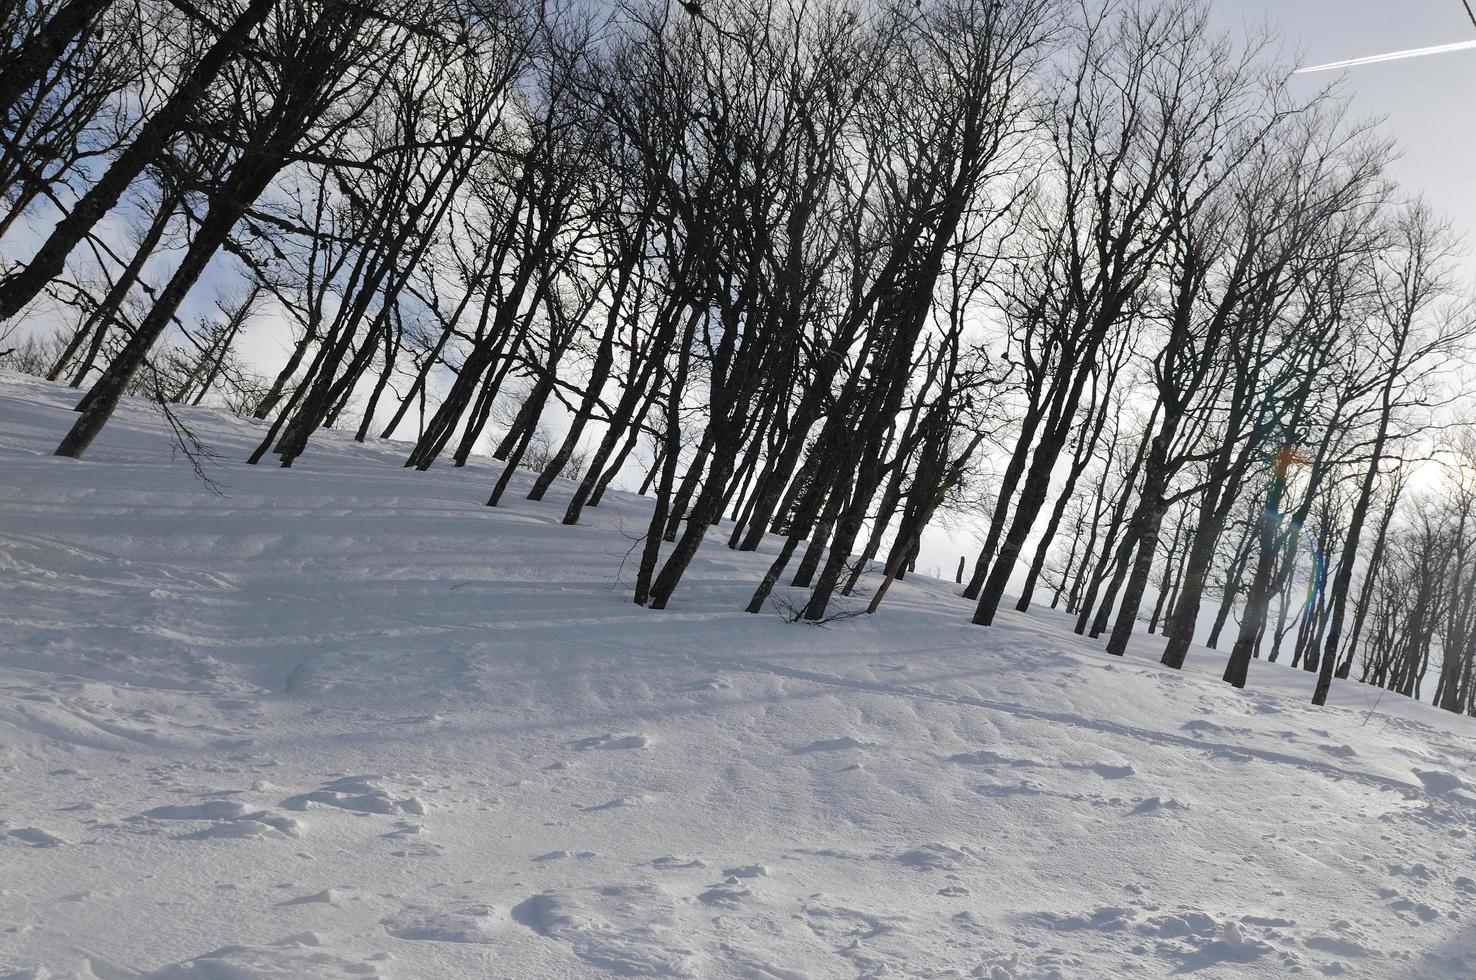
631, 930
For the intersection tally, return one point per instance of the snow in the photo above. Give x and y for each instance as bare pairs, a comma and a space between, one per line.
344, 721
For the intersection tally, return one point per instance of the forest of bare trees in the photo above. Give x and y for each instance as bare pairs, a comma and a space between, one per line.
1086, 276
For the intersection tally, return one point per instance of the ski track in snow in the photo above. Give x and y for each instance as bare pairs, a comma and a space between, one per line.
344, 721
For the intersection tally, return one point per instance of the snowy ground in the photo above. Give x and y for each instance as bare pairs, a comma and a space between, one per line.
346, 721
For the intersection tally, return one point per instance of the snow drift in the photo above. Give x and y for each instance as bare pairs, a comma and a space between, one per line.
345, 721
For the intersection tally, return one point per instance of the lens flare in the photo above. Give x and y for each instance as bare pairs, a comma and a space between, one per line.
1287, 458
1311, 547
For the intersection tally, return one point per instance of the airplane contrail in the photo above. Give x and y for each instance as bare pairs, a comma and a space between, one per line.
1391, 56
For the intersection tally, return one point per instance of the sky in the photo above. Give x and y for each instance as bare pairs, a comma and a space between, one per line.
1428, 104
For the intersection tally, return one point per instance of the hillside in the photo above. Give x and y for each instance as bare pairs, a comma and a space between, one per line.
345, 721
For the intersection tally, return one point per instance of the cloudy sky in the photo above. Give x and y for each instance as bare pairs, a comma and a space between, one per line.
1429, 104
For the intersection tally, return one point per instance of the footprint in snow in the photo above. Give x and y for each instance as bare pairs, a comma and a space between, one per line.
228, 819
255, 826
1104, 769
610, 741
404, 829
937, 857
629, 929
833, 853
1230, 754
1418, 870
988, 758
1185, 922
32, 837
430, 719
328, 896
1403, 904
970, 922
1438, 782
842, 744
467, 924
835, 922
1337, 946
210, 810
363, 794
1107, 918
1201, 727
1000, 791
562, 855
728, 895
1156, 804
757, 967
1199, 941
293, 956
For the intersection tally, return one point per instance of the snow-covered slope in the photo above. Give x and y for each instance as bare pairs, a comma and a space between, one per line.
346, 721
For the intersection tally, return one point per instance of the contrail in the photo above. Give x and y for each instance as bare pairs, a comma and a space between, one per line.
1391, 56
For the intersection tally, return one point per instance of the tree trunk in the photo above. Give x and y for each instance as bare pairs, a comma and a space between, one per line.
102, 319
153, 136
1258, 598
34, 58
